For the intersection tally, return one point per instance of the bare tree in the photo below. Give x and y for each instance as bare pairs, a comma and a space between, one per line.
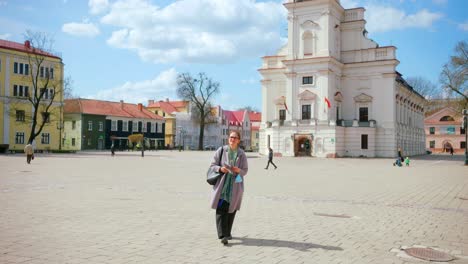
68, 88
455, 73
46, 93
424, 87
199, 91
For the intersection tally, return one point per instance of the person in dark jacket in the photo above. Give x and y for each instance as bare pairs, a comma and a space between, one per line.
400, 154
270, 159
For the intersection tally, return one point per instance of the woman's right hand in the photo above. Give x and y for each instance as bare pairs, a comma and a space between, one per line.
223, 170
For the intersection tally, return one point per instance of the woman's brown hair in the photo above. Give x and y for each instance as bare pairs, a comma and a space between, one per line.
237, 133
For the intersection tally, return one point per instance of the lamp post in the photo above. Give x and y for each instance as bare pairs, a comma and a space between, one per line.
180, 137
183, 138
465, 125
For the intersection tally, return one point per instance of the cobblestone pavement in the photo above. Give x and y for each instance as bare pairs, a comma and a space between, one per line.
92, 208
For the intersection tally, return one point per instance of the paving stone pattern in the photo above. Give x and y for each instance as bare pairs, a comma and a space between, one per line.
93, 208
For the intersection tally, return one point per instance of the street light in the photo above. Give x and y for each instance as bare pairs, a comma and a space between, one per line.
180, 136
465, 125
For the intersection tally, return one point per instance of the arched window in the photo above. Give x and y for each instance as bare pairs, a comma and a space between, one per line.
307, 42
447, 118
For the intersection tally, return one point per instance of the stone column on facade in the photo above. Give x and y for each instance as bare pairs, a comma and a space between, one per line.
265, 84
292, 36
323, 110
291, 95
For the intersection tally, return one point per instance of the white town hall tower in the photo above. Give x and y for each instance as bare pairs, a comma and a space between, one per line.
332, 92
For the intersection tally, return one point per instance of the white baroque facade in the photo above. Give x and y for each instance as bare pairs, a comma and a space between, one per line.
332, 92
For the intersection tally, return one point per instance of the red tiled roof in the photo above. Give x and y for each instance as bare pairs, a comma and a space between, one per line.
179, 103
167, 107
133, 109
23, 48
231, 117
98, 107
239, 115
173, 103
255, 116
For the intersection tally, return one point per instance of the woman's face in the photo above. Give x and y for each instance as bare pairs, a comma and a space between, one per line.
233, 140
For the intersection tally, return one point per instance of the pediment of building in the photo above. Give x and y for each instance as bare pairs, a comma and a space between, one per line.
338, 97
280, 100
446, 111
309, 24
363, 98
307, 95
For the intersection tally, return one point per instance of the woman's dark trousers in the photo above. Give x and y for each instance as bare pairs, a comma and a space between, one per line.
224, 220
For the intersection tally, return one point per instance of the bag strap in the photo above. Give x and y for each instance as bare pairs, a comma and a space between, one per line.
221, 157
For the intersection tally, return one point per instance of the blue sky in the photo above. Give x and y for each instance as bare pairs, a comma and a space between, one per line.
134, 49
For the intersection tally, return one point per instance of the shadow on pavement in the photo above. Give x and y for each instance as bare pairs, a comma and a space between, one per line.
258, 242
447, 157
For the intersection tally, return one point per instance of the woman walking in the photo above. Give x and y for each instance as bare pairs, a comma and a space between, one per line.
228, 191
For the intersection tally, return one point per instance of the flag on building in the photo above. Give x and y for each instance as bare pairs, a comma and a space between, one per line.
328, 102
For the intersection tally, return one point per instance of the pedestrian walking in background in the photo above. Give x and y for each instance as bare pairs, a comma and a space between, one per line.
112, 149
400, 154
29, 151
228, 191
397, 162
451, 151
270, 159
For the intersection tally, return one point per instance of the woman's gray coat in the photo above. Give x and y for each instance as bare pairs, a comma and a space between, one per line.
238, 189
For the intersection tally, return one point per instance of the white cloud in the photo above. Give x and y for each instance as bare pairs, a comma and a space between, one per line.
384, 18
5, 36
203, 31
163, 85
84, 29
98, 6
463, 26
349, 4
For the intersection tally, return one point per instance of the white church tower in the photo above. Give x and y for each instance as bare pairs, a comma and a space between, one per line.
332, 92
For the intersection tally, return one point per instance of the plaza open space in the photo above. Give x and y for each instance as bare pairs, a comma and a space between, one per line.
90, 207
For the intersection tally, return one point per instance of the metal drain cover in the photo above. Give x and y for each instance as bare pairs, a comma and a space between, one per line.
428, 254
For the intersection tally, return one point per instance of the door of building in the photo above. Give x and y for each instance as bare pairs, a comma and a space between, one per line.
100, 144
303, 145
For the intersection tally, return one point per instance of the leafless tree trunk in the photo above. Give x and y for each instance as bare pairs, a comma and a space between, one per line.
46, 87
199, 91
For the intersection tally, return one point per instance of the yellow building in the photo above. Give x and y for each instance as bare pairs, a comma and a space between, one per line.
18, 64
167, 109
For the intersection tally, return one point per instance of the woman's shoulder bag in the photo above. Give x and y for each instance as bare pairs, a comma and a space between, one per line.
213, 175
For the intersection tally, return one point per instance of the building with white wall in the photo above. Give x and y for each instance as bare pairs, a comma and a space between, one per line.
332, 92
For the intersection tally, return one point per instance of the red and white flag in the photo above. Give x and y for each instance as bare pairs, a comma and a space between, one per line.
328, 102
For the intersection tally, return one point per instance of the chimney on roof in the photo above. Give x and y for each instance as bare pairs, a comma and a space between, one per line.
140, 107
150, 102
121, 104
27, 44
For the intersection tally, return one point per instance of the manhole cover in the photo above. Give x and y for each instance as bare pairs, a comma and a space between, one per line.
333, 215
428, 254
